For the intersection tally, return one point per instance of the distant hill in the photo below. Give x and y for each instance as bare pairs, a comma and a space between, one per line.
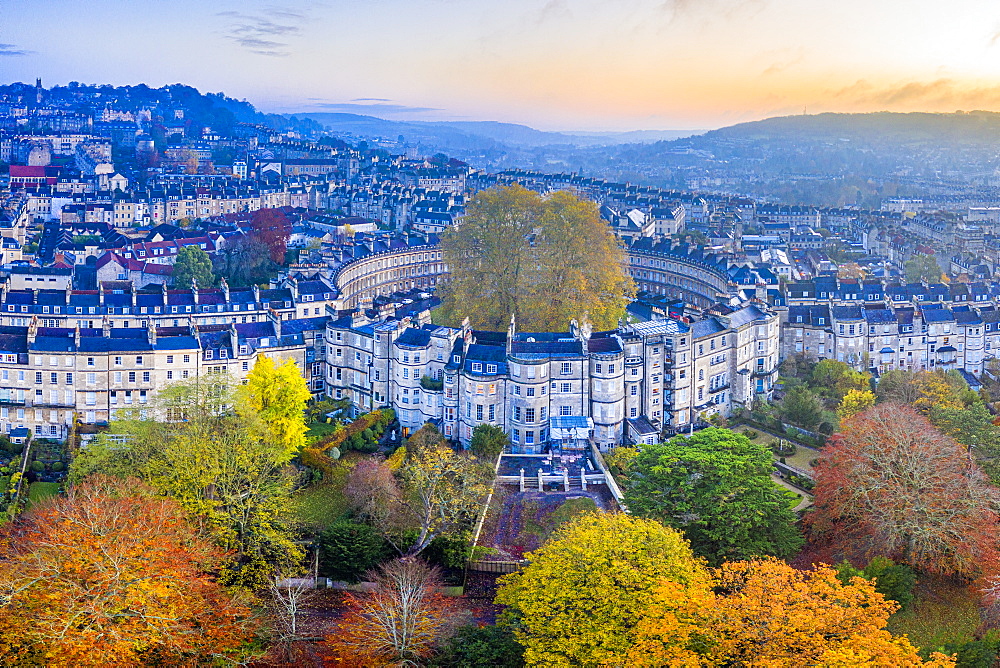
476, 135
974, 127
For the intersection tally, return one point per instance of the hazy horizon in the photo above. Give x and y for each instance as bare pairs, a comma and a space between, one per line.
559, 65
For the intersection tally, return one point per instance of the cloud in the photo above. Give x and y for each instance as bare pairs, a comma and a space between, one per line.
383, 108
371, 99
939, 94
265, 33
9, 50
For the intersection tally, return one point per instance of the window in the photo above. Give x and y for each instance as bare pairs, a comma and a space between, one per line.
530, 391
170, 359
53, 378
477, 367
517, 436
565, 410
145, 376
138, 360
493, 412
187, 358
529, 415
634, 390
566, 387
529, 437
69, 379
632, 412
38, 377
118, 361
491, 368
170, 375
597, 368
611, 368
567, 367
517, 390
543, 413
479, 412
131, 376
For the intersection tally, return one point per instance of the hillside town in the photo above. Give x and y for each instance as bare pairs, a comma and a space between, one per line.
94, 216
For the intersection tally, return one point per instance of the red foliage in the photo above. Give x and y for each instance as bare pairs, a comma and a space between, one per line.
891, 484
272, 227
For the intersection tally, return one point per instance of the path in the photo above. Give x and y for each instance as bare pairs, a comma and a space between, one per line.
806, 497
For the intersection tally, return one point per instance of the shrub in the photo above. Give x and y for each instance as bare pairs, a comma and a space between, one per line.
334, 453
449, 551
750, 433
37, 466
58, 466
493, 646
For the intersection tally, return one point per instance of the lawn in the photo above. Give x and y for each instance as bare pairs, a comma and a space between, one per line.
318, 430
944, 612
39, 491
800, 460
321, 504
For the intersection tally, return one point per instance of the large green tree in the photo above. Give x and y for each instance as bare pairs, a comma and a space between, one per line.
193, 266
543, 260
715, 486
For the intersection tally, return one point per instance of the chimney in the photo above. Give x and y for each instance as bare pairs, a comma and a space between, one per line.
194, 290
225, 289
33, 329
256, 294
151, 332
106, 326
76, 337
132, 290
100, 292
275, 319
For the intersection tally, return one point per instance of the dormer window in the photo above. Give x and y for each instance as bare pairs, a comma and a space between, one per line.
491, 368
477, 367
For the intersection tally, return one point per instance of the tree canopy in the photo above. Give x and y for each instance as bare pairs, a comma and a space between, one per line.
277, 394
580, 597
892, 482
113, 574
923, 268
192, 266
714, 486
545, 261
766, 613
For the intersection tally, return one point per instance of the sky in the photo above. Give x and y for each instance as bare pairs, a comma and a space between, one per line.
552, 64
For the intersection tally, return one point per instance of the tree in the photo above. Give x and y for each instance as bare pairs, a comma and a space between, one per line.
892, 483
802, 407
714, 486
766, 613
402, 622
854, 402
834, 379
488, 442
923, 268
278, 396
544, 261
926, 389
442, 491
113, 574
224, 468
580, 597
193, 266
245, 261
972, 427
273, 228
348, 549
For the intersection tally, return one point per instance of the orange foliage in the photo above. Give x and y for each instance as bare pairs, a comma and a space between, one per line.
401, 622
895, 486
111, 575
766, 613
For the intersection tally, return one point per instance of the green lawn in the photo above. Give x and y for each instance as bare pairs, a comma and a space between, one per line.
319, 505
39, 491
800, 460
944, 612
318, 430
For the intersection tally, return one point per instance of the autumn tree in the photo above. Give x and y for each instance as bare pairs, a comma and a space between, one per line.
113, 574
245, 261
926, 389
766, 613
436, 492
192, 266
277, 395
401, 622
973, 427
893, 485
544, 261
715, 487
226, 468
923, 268
272, 228
580, 597
833, 379
854, 402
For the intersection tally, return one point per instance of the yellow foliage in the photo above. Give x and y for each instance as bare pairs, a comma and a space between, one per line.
854, 402
278, 395
397, 459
